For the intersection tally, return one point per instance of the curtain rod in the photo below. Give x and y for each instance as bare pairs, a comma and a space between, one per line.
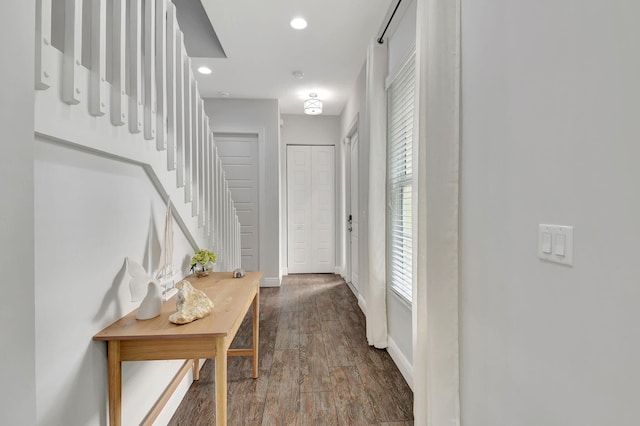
380, 39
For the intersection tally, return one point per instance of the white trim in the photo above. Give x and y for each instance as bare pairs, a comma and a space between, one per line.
284, 271
353, 289
345, 194
403, 364
405, 62
339, 270
341, 221
362, 304
403, 300
353, 127
270, 282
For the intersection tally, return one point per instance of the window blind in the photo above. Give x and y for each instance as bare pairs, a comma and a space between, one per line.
400, 108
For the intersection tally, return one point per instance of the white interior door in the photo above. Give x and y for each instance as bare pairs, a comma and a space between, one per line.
298, 209
310, 209
353, 185
323, 210
239, 156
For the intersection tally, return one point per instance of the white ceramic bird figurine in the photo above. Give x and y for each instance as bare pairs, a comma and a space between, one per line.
142, 285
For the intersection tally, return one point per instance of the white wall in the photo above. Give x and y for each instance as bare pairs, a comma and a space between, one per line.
309, 130
550, 108
251, 116
17, 356
301, 129
90, 213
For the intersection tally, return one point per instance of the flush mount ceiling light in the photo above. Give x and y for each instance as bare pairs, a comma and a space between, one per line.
313, 105
298, 23
204, 70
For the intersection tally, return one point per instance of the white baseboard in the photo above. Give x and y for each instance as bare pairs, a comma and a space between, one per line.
363, 304
270, 282
401, 361
353, 289
339, 270
284, 271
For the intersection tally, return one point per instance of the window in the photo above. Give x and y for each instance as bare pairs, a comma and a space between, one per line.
400, 108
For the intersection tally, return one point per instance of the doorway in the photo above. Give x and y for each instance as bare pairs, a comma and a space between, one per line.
240, 158
310, 209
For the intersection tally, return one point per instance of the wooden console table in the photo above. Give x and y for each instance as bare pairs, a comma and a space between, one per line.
129, 339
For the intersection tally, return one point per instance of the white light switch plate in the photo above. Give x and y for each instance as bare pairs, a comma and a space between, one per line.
561, 243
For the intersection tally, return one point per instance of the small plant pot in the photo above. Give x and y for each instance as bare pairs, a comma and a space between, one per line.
202, 262
202, 270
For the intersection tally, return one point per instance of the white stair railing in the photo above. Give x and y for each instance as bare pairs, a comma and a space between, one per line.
136, 99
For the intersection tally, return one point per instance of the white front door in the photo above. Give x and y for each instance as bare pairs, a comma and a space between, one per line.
353, 185
311, 209
239, 156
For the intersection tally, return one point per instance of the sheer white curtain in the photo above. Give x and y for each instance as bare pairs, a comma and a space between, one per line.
436, 149
376, 114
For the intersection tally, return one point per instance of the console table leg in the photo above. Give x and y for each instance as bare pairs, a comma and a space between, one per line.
221, 383
256, 332
115, 383
196, 369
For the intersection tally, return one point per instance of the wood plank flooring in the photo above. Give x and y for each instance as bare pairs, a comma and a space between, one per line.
315, 365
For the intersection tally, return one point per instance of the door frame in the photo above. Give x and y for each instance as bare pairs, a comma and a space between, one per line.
347, 270
354, 211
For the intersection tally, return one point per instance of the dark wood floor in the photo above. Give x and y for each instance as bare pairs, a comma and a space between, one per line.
315, 365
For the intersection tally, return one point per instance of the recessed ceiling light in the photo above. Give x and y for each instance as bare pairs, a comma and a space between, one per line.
224, 94
204, 70
298, 23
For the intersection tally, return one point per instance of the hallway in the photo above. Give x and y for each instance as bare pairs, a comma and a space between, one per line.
315, 365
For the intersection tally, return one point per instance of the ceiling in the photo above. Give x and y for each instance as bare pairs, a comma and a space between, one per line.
262, 50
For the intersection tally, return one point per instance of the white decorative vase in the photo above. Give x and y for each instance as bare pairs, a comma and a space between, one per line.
151, 304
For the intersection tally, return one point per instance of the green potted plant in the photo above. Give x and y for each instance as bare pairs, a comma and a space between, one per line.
202, 262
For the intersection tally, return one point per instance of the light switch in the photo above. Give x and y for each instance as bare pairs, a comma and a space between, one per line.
546, 242
555, 243
559, 244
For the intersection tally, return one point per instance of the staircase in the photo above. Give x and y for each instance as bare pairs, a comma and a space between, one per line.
116, 80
